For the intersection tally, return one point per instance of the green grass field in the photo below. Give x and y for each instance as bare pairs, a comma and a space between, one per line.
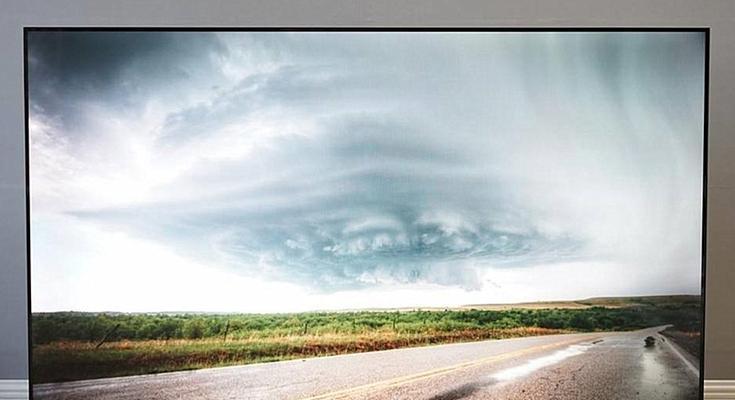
71, 346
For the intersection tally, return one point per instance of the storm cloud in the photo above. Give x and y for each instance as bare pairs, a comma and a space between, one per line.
341, 161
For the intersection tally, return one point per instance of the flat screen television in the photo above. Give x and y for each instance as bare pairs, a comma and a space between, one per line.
314, 213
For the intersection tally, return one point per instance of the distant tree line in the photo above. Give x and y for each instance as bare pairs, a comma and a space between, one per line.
51, 327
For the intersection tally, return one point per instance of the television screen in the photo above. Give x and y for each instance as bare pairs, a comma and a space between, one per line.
366, 213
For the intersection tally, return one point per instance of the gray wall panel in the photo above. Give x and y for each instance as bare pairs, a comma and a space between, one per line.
718, 14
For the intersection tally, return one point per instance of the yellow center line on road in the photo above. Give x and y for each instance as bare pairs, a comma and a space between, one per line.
390, 383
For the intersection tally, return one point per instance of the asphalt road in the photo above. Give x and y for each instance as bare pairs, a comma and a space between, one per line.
580, 366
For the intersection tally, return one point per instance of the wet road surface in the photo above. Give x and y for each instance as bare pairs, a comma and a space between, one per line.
563, 367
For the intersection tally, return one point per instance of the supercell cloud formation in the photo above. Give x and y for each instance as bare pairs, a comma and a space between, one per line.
489, 167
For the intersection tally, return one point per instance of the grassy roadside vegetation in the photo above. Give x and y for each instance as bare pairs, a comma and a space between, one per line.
72, 346
688, 339
63, 361
687, 335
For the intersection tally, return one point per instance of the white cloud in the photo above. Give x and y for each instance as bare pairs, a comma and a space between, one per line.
342, 167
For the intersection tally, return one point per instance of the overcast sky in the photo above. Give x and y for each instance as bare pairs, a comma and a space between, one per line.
266, 172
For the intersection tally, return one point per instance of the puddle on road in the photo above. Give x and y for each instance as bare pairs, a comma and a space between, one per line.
658, 381
527, 368
538, 363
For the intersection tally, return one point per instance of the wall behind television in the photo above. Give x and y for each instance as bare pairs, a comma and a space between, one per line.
719, 15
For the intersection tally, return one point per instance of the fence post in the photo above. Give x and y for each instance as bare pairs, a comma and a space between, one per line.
110, 332
227, 328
